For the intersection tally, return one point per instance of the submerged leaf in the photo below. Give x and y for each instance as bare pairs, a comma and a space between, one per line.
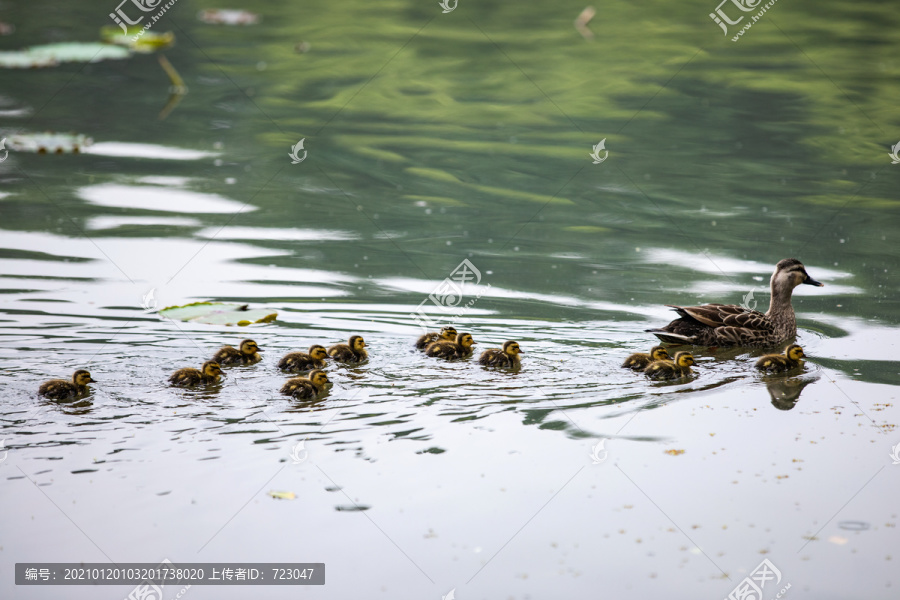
52, 54
145, 43
221, 16
218, 313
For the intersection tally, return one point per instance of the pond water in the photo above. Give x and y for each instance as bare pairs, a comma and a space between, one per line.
431, 138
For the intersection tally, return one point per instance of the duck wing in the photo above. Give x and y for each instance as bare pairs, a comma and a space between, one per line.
726, 315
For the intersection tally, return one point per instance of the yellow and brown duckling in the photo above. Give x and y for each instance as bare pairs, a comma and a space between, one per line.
640, 361
678, 368
459, 348
61, 389
304, 361
447, 333
791, 359
246, 354
508, 356
306, 388
354, 351
209, 373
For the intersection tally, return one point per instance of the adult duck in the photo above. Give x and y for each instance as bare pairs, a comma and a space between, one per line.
733, 325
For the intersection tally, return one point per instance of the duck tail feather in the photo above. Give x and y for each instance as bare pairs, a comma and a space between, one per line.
672, 338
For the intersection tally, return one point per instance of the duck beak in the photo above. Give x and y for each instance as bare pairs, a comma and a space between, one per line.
92, 380
810, 281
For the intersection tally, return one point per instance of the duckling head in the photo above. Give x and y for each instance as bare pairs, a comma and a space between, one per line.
249, 347
684, 359
448, 333
511, 348
319, 378
659, 353
357, 342
211, 369
794, 352
789, 273
82, 377
318, 352
465, 340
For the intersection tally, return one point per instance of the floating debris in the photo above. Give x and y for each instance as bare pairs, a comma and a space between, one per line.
49, 143
581, 22
283, 495
222, 16
674, 452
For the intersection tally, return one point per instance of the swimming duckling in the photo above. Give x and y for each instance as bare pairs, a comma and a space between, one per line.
60, 389
461, 348
306, 388
246, 355
302, 361
209, 373
640, 361
507, 357
447, 333
353, 351
667, 369
791, 359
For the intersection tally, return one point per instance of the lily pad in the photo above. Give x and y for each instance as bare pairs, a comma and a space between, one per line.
49, 143
222, 16
219, 313
52, 54
145, 43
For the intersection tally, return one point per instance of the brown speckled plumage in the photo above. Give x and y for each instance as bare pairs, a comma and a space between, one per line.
732, 325
246, 354
640, 361
460, 348
209, 373
306, 388
447, 333
60, 389
791, 359
354, 351
508, 356
304, 361
678, 368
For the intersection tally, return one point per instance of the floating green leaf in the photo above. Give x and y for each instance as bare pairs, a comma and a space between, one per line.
51, 55
219, 313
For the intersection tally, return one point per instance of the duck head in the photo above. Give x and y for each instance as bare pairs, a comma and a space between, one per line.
511, 348
794, 352
448, 333
357, 342
82, 378
211, 369
659, 353
319, 378
465, 340
684, 359
249, 347
789, 273
318, 352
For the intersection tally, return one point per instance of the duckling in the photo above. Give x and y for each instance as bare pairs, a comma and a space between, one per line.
306, 388
507, 357
667, 369
60, 389
791, 359
246, 355
447, 333
732, 325
354, 351
640, 361
209, 373
302, 361
461, 348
